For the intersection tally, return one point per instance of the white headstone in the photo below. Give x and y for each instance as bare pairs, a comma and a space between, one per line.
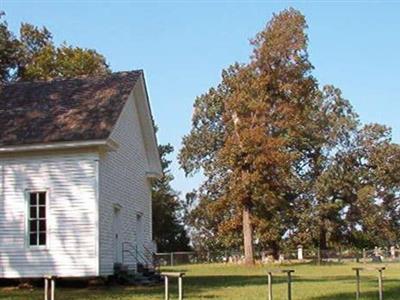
393, 252
300, 252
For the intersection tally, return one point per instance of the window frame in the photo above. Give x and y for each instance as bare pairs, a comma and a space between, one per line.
28, 192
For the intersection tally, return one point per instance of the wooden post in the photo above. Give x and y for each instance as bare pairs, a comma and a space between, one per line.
166, 288
49, 288
180, 287
364, 256
289, 281
269, 285
357, 284
46, 289
53, 288
380, 283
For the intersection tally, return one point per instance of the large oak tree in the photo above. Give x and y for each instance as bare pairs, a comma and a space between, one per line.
260, 107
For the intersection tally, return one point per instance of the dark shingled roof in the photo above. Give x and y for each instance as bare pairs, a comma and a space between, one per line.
63, 109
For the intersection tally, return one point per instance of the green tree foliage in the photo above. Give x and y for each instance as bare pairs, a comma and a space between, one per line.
34, 56
9, 46
286, 160
168, 229
371, 189
329, 125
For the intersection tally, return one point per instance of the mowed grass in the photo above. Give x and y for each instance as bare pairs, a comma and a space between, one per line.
237, 282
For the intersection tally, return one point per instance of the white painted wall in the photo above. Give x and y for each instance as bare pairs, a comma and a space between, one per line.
123, 182
84, 186
72, 247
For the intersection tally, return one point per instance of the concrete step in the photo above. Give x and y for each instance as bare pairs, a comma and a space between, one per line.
142, 276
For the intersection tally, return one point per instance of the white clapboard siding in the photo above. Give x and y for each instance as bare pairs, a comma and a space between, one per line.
72, 246
123, 182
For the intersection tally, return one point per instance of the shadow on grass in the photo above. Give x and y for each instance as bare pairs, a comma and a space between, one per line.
391, 293
218, 281
98, 293
197, 285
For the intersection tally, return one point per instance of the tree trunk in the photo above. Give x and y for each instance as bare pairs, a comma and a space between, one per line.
323, 243
275, 250
248, 237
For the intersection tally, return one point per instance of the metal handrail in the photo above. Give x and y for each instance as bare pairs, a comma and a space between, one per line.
139, 257
148, 258
124, 250
154, 258
127, 247
144, 258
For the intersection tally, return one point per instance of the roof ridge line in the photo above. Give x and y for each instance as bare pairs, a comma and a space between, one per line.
58, 79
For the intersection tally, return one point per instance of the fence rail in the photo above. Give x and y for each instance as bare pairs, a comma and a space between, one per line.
288, 255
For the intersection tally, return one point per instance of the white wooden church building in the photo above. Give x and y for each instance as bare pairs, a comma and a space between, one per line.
76, 160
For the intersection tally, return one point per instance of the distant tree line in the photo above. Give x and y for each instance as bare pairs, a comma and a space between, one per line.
168, 210
287, 161
32, 55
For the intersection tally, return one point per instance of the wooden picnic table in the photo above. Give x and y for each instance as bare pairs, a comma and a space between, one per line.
178, 275
380, 279
49, 287
288, 273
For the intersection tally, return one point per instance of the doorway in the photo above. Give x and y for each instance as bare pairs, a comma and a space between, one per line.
140, 234
117, 238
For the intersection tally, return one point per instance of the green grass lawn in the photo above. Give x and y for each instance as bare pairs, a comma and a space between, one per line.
236, 282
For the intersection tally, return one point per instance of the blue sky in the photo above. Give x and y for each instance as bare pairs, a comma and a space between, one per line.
184, 45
